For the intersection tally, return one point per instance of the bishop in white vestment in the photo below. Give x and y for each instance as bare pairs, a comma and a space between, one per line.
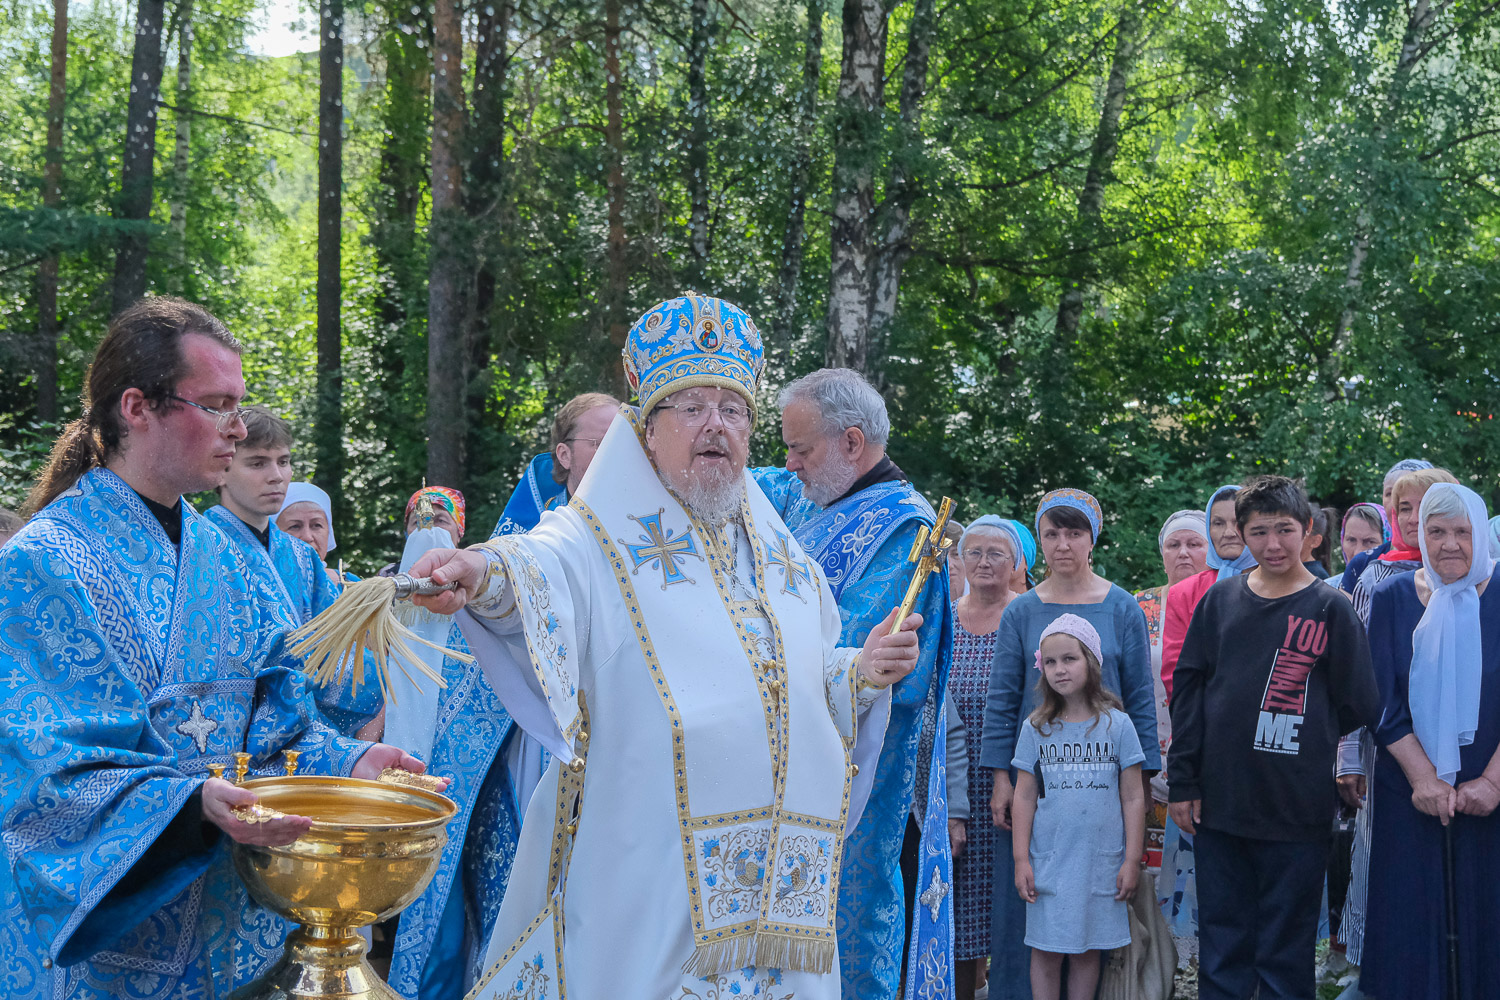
668, 640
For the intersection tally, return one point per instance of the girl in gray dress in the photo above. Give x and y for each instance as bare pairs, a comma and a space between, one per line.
1078, 816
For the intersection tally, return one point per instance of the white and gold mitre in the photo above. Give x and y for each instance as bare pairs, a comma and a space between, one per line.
693, 340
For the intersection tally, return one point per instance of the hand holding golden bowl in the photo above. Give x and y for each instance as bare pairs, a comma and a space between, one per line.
227, 805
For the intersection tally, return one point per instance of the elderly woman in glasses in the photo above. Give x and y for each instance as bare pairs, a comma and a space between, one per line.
990, 551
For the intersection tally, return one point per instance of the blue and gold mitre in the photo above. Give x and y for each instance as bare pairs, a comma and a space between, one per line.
693, 340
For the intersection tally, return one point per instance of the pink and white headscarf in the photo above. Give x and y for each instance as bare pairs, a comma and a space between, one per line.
1078, 628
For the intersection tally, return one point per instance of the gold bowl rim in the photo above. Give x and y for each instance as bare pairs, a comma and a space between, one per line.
447, 807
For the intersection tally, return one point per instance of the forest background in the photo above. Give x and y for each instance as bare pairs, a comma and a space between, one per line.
1137, 248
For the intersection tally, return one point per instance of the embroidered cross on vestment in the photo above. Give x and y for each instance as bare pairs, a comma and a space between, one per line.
663, 547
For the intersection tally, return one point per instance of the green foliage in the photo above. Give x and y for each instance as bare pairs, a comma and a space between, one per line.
1262, 148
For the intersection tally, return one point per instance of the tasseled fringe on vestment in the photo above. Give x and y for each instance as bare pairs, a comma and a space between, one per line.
765, 949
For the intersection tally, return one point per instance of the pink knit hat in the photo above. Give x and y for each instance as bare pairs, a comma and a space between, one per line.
1078, 628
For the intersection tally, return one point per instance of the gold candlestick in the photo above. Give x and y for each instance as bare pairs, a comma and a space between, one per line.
216, 771
291, 762
241, 767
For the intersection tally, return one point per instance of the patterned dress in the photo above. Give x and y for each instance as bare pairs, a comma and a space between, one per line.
968, 684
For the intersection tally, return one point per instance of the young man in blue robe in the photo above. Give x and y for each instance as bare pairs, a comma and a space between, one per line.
554, 476
287, 567
853, 511
135, 652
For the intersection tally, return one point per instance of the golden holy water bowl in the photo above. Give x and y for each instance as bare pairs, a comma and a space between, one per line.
373, 848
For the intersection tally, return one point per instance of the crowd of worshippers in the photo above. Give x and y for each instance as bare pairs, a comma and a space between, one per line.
1293, 739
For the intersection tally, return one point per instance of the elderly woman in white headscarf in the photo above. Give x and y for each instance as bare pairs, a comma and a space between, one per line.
1183, 542
1435, 646
307, 513
991, 551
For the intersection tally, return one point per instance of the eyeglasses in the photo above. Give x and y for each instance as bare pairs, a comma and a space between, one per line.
225, 418
593, 441
993, 555
732, 415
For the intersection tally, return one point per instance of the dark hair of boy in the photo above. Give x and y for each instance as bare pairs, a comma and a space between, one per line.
1272, 495
263, 429
1069, 519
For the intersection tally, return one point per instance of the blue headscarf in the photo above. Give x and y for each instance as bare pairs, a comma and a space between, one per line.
1028, 544
1226, 567
1006, 528
1077, 500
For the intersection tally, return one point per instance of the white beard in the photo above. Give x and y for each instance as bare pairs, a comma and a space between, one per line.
714, 500
711, 496
834, 479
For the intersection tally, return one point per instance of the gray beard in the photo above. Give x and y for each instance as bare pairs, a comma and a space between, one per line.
713, 500
837, 475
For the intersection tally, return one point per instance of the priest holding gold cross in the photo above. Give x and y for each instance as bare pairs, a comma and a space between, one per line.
668, 639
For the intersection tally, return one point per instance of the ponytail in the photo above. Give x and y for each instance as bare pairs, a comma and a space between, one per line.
142, 349
76, 452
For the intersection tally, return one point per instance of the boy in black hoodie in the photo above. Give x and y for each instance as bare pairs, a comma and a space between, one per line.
1274, 669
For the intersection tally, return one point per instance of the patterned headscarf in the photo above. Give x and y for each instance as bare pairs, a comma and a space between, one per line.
1405, 465
1079, 501
1080, 629
1385, 521
450, 500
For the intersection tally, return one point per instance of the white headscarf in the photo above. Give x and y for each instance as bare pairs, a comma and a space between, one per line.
308, 493
411, 711
1447, 652
1183, 520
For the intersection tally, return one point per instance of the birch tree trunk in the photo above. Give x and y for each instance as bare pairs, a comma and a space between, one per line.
901, 189
1418, 21
1101, 163
182, 127
46, 279
794, 239
617, 277
857, 135
137, 174
328, 421
697, 144
445, 355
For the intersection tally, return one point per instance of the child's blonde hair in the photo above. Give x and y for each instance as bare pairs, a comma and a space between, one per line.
1050, 704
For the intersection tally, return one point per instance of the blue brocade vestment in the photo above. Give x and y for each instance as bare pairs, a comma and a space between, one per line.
862, 543
536, 492
128, 666
291, 569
